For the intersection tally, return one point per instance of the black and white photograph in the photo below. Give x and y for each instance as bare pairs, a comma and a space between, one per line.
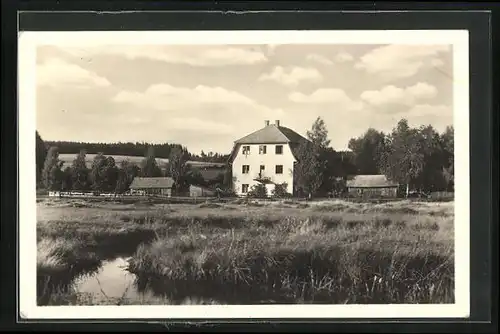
244, 174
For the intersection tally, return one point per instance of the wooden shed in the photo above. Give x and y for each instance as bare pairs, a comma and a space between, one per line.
199, 191
371, 186
152, 186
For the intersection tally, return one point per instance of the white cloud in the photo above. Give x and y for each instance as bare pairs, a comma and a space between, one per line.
333, 96
319, 59
57, 72
197, 124
436, 62
395, 95
189, 55
343, 57
422, 110
172, 105
400, 61
293, 76
271, 49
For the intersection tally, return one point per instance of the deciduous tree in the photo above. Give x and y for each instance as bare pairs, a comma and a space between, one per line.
52, 174
149, 167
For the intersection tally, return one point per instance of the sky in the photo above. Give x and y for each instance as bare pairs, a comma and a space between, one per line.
207, 96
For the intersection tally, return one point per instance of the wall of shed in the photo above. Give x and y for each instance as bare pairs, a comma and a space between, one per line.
373, 192
154, 191
200, 192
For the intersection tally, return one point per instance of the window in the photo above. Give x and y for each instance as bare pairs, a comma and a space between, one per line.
262, 149
245, 169
244, 188
246, 149
279, 169
279, 149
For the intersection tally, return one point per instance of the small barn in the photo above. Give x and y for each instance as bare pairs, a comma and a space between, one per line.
152, 186
199, 191
371, 186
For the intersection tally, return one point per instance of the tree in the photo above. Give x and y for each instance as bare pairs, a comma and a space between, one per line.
404, 159
447, 146
41, 153
80, 174
178, 168
67, 180
308, 171
126, 174
318, 134
149, 166
228, 178
280, 191
97, 172
110, 174
194, 176
51, 173
323, 159
368, 149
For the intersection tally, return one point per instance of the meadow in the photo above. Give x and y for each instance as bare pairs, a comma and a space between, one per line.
249, 252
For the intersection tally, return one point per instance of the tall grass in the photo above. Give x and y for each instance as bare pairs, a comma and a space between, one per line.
332, 252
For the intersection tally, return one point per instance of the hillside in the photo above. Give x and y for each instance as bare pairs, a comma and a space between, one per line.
68, 160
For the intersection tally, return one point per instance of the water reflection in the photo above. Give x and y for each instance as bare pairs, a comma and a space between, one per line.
112, 280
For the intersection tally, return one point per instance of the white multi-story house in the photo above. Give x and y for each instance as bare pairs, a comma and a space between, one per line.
265, 156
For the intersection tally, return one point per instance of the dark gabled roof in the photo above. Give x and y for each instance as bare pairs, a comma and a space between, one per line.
210, 174
271, 134
152, 183
370, 181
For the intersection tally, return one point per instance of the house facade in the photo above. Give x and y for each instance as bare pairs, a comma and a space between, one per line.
366, 186
266, 156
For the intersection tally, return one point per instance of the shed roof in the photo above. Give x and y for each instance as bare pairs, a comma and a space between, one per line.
152, 183
370, 181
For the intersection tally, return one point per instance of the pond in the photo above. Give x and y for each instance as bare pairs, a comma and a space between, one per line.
112, 283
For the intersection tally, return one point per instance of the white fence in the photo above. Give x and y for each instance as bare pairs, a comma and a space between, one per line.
84, 194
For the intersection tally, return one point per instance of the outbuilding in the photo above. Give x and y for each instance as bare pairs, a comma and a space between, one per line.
371, 186
152, 186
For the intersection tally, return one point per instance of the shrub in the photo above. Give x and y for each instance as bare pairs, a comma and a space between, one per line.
280, 191
258, 191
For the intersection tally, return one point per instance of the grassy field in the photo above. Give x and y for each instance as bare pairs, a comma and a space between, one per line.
68, 160
248, 253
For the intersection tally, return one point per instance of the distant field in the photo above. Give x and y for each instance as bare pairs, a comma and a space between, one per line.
68, 160
250, 252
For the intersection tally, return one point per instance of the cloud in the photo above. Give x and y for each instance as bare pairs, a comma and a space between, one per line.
343, 57
395, 95
319, 59
197, 124
293, 76
327, 96
57, 72
400, 61
202, 56
423, 110
169, 104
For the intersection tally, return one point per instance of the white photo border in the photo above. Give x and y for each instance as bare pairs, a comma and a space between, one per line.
28, 42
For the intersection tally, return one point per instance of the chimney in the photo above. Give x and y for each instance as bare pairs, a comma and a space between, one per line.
266, 122
277, 122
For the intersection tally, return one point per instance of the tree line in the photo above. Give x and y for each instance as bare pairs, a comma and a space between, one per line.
418, 158
106, 176
133, 149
